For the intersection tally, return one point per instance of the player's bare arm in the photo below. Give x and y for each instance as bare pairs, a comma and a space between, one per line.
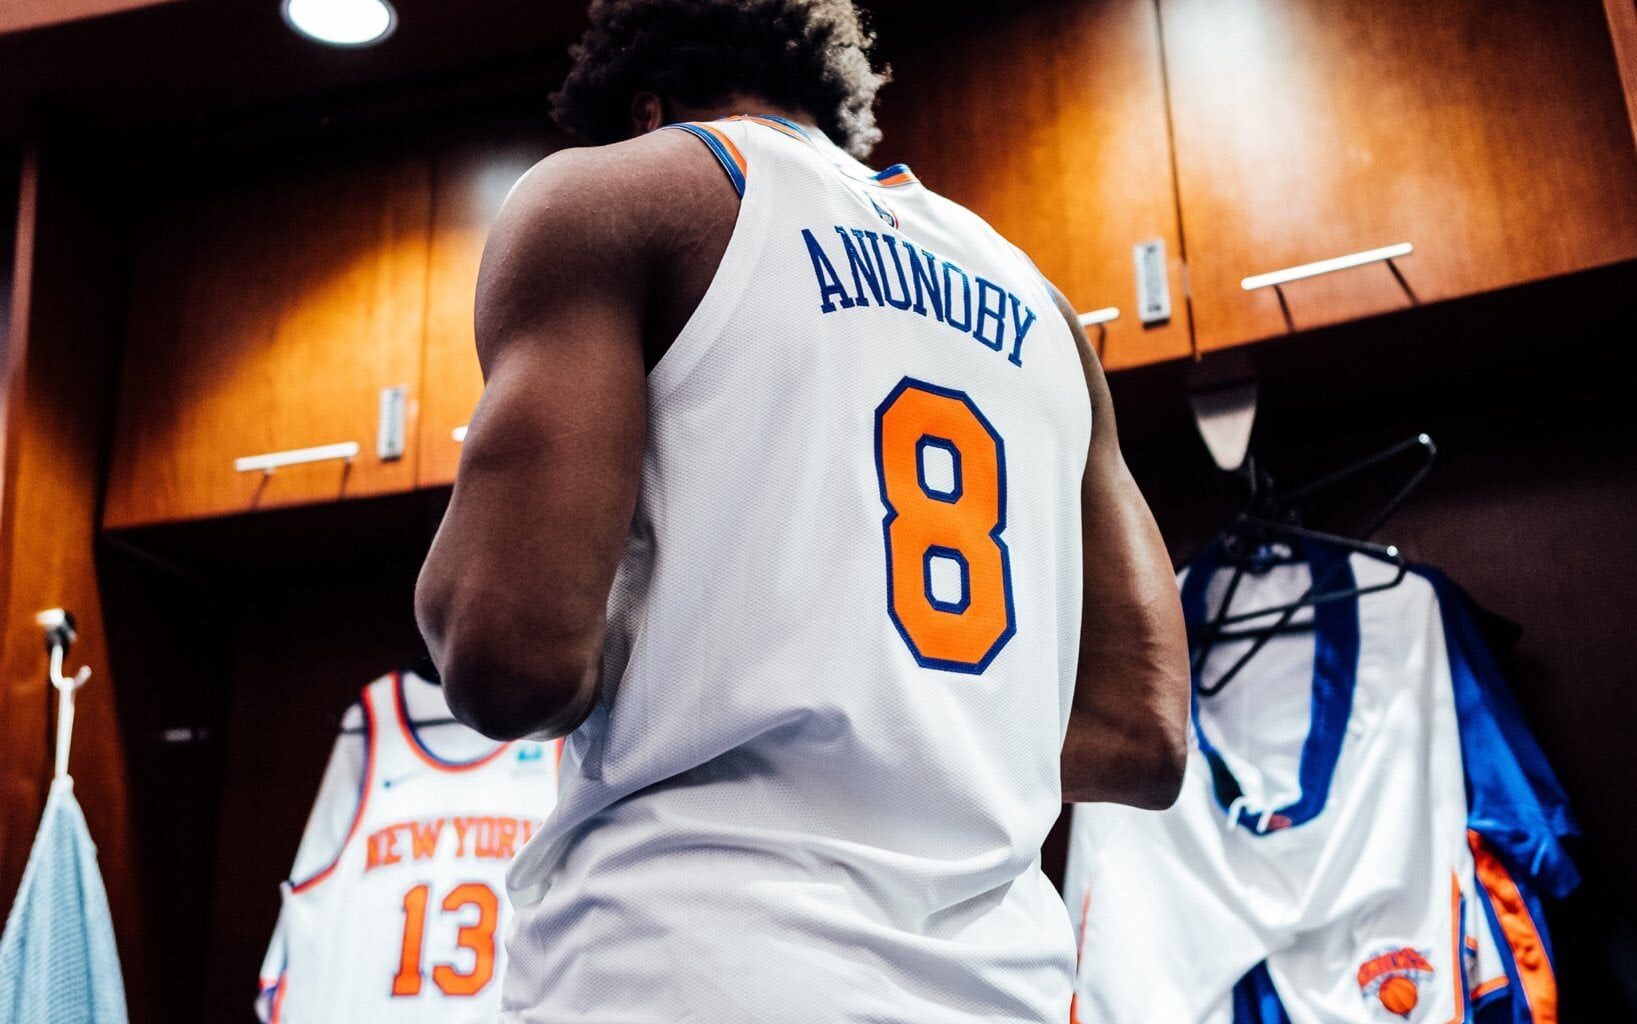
594, 251
1127, 738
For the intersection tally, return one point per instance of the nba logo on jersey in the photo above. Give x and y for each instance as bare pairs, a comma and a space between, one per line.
1391, 980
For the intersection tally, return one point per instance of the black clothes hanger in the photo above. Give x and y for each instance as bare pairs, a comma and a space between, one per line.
1268, 532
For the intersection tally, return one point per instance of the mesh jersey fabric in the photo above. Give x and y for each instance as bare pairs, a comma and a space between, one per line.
800, 797
58, 962
1333, 878
395, 909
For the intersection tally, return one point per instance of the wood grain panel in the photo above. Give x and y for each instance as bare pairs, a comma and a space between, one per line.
56, 403
1622, 15
270, 317
24, 15
1491, 136
470, 180
291, 667
1048, 119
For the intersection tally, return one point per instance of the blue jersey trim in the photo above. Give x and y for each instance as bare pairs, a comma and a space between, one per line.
1256, 1001
793, 126
1510, 1005
1514, 799
729, 165
938, 551
952, 495
1335, 676
401, 709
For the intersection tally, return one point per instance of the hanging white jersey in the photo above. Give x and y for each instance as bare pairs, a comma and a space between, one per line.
1318, 865
842, 641
396, 908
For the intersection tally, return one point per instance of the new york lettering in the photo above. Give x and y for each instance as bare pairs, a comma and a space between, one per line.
476, 837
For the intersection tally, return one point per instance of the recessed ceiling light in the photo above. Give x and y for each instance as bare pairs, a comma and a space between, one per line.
341, 22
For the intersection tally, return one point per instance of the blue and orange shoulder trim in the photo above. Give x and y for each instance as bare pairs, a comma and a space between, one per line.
897, 174
721, 144
778, 124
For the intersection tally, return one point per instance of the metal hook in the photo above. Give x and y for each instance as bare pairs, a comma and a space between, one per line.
59, 634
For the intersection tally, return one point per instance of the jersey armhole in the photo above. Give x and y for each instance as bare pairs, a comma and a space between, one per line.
371, 732
270, 999
722, 145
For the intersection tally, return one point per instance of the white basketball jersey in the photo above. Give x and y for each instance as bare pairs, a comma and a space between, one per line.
1318, 866
396, 910
842, 641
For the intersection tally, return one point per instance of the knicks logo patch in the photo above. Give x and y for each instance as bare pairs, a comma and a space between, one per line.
1393, 978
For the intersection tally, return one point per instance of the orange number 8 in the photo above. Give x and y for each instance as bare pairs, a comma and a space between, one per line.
960, 525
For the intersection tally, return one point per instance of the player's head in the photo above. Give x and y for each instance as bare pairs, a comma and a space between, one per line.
643, 59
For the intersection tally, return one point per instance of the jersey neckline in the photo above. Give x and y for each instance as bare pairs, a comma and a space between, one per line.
1335, 677
893, 177
425, 753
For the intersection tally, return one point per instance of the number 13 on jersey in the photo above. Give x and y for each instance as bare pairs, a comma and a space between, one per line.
942, 469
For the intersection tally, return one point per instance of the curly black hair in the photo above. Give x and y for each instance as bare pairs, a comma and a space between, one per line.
809, 55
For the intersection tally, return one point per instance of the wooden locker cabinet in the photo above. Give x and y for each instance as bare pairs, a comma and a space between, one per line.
265, 317
1491, 136
1049, 121
470, 181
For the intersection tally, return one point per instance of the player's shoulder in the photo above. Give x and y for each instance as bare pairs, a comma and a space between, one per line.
620, 190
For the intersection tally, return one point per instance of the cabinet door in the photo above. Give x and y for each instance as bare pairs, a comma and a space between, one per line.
267, 318
470, 181
1048, 119
1490, 136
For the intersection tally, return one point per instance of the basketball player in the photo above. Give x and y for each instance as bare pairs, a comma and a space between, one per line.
794, 502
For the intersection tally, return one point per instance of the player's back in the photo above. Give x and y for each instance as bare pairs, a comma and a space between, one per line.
842, 641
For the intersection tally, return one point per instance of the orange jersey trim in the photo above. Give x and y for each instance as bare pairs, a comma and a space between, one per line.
901, 178
370, 733
1455, 970
1520, 931
1079, 951
769, 122
727, 143
414, 741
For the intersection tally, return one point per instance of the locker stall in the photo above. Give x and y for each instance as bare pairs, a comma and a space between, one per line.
237, 361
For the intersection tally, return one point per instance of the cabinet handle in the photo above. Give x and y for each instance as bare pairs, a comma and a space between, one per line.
1099, 316
347, 450
1330, 266
459, 433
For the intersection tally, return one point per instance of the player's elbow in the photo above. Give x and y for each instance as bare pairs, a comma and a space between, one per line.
506, 680
1136, 758
546, 693
1152, 778
1146, 779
